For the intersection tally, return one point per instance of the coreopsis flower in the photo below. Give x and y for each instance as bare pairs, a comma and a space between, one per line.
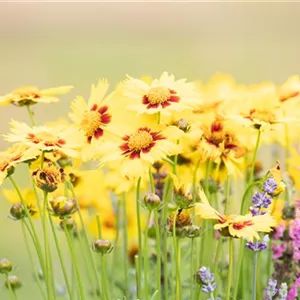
62, 139
63, 207
29, 95
14, 155
138, 146
94, 116
164, 95
290, 89
240, 226
221, 146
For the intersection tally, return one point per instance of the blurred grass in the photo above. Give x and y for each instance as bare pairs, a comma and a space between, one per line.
54, 44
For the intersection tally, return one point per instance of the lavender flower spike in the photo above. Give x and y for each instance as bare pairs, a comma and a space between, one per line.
207, 278
271, 289
270, 185
259, 246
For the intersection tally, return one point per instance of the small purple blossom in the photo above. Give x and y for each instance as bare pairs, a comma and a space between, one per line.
258, 246
261, 200
271, 289
278, 250
293, 291
279, 231
270, 185
207, 278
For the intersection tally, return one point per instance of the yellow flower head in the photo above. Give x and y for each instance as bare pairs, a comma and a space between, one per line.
14, 155
246, 227
57, 138
29, 95
165, 95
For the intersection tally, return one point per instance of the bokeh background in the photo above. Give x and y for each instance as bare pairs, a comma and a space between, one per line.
52, 44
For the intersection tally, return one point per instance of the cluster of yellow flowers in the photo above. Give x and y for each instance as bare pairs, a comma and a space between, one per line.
182, 125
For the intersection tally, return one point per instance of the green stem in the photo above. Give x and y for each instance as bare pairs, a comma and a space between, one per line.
227, 195
139, 225
61, 258
74, 261
152, 186
30, 114
158, 254
230, 268
86, 239
42, 159
254, 269
36, 276
178, 270
146, 257
239, 268
103, 277
254, 157
212, 297
11, 291
192, 270
217, 256
125, 246
245, 196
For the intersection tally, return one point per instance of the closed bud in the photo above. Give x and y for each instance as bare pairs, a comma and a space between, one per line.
152, 201
67, 223
183, 198
62, 206
13, 281
17, 211
48, 178
183, 125
102, 246
5, 266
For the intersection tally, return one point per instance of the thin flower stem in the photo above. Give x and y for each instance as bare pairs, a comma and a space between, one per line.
254, 272
47, 274
31, 229
11, 291
227, 195
217, 256
30, 114
192, 270
245, 196
74, 260
212, 297
140, 250
42, 159
61, 258
99, 226
230, 268
36, 276
125, 245
146, 257
151, 181
239, 268
86, 239
178, 270
251, 177
158, 255
103, 277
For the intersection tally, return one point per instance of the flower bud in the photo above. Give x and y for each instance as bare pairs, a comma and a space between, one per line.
68, 223
62, 206
152, 201
13, 281
183, 198
102, 246
5, 266
17, 211
183, 125
48, 178
183, 219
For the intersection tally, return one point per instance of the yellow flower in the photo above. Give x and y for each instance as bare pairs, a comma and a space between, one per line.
57, 138
246, 227
165, 95
11, 157
29, 95
138, 148
94, 116
221, 146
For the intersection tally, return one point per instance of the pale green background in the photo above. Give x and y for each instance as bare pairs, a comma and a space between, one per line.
50, 44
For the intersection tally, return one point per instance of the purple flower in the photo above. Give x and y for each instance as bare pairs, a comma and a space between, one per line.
270, 185
293, 291
261, 200
207, 279
259, 246
271, 289
279, 231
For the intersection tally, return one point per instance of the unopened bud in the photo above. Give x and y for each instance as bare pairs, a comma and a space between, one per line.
13, 281
67, 223
183, 125
62, 206
5, 266
48, 178
152, 201
17, 211
102, 246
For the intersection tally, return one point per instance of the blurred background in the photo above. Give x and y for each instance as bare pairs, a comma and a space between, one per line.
52, 44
